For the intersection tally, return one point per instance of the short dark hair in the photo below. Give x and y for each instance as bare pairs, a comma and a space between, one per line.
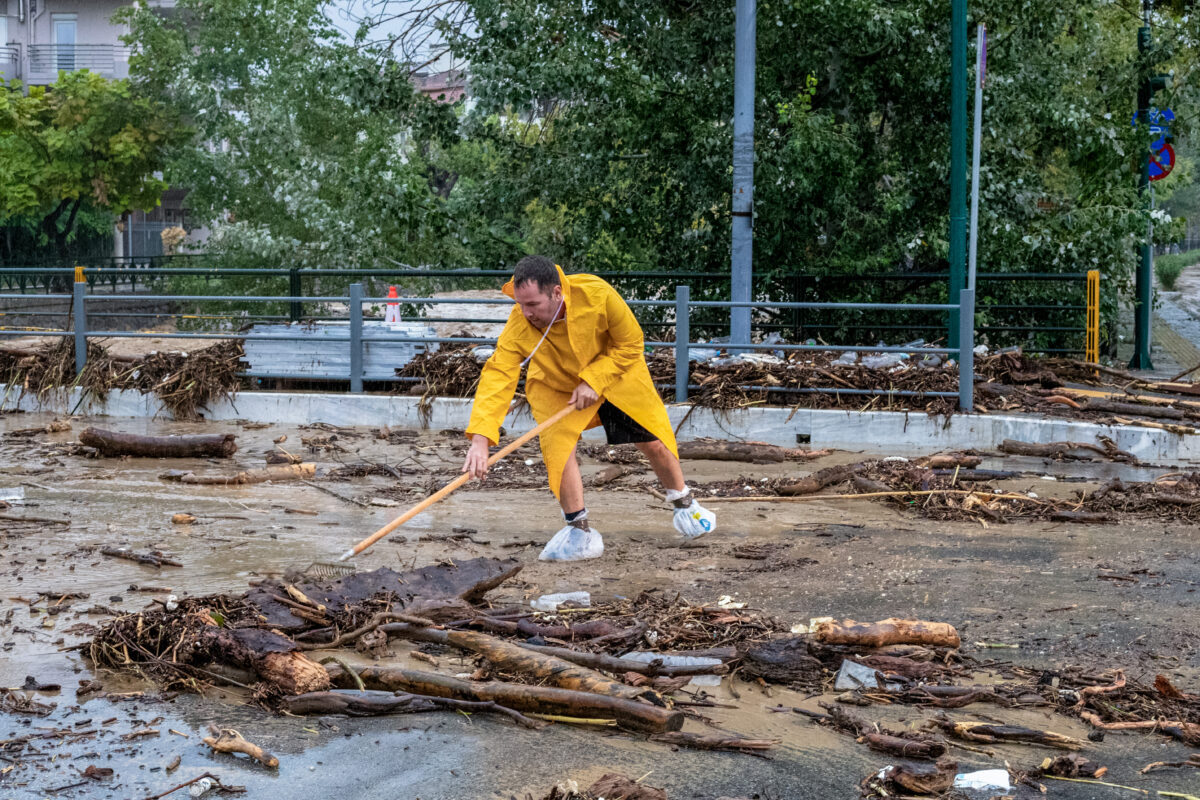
536, 269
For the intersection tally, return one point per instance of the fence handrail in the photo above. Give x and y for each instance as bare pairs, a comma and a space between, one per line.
682, 345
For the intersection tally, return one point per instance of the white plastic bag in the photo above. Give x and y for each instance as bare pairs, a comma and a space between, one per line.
695, 520
551, 602
573, 544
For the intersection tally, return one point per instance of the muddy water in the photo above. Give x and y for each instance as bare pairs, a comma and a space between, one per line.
1035, 586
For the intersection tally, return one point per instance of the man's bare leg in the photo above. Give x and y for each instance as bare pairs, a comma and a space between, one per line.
570, 491
664, 463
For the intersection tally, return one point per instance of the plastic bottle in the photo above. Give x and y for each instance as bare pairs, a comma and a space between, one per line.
201, 787
550, 602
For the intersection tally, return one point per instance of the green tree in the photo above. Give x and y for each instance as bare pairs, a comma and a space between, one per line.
81, 143
308, 150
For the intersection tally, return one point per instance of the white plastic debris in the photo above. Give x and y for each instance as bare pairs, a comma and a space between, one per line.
681, 661
172, 602
853, 675
981, 350
757, 359
551, 602
898, 459
482, 353
201, 787
986, 780
14, 495
884, 360
725, 601
1049, 478
529, 462
846, 359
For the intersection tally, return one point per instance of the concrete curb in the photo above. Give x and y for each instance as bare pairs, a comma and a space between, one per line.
875, 431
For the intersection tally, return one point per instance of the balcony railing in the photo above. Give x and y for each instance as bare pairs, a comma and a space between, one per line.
47, 60
10, 59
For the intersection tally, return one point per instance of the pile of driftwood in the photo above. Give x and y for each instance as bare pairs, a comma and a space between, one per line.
950, 486
184, 383
1005, 382
262, 640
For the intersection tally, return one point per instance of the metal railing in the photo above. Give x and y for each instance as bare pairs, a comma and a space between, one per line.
1056, 324
682, 308
54, 58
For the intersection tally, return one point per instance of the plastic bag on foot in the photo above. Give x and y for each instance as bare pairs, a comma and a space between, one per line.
573, 544
695, 520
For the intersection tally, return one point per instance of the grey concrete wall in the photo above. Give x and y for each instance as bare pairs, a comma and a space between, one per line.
876, 431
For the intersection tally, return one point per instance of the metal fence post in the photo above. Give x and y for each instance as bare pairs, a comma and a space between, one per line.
295, 290
966, 355
80, 317
356, 344
683, 334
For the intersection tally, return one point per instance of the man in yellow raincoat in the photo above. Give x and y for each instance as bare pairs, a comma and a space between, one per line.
583, 347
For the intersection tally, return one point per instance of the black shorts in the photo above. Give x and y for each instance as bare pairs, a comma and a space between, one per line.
620, 428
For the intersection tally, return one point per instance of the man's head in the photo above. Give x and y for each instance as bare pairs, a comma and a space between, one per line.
537, 289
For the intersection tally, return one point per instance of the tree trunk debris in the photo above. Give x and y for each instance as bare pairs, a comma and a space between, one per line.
886, 632
114, 443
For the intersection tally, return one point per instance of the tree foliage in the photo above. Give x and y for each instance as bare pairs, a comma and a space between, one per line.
599, 133
82, 143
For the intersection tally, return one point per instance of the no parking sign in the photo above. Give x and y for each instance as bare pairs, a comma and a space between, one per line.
1162, 155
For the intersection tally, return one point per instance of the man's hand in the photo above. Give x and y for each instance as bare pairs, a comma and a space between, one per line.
584, 396
476, 464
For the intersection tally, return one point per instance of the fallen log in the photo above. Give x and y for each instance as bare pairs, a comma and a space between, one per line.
154, 558
114, 443
275, 659
819, 480
1136, 409
613, 473
906, 779
992, 733
949, 461
508, 657
368, 703
291, 472
539, 699
621, 665
905, 748
755, 453
227, 740
783, 660
1186, 732
1064, 450
888, 631
715, 742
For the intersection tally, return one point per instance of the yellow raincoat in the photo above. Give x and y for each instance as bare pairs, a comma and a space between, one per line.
600, 342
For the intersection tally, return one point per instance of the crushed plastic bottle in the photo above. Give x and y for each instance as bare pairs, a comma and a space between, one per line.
681, 661
846, 359
201, 787
551, 602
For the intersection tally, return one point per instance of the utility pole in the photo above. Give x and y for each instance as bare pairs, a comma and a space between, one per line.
742, 255
1144, 301
958, 158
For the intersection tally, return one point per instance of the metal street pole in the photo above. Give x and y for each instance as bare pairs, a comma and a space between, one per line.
742, 255
958, 158
1143, 302
976, 139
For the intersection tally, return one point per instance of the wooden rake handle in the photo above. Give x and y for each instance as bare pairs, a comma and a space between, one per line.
446, 490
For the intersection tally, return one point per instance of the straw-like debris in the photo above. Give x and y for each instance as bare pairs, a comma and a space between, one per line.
183, 382
968, 494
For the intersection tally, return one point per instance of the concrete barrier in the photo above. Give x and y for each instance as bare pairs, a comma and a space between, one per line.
872, 431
